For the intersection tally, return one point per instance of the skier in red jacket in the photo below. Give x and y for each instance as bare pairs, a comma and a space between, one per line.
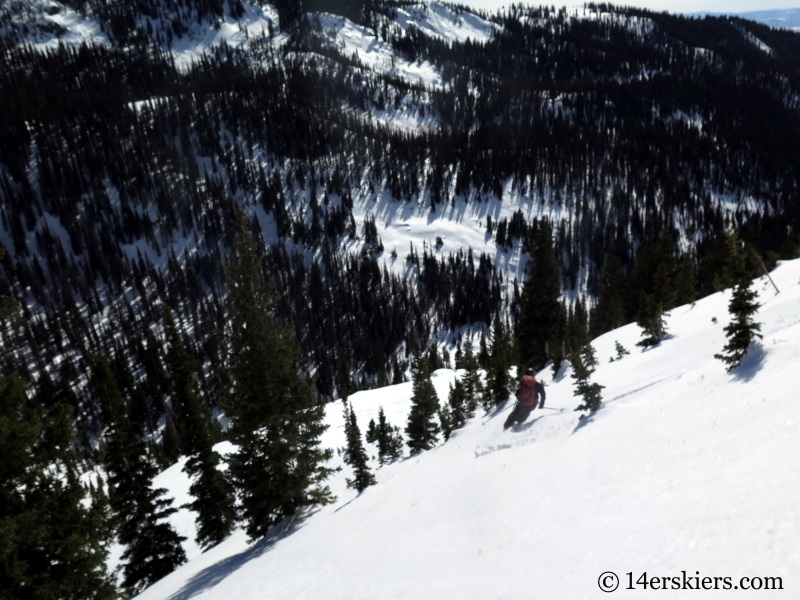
530, 393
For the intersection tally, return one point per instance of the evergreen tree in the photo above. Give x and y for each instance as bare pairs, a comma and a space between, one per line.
590, 392
382, 380
213, 495
52, 541
372, 432
170, 443
483, 350
651, 319
354, 453
742, 329
541, 319
397, 373
620, 349
498, 382
421, 430
390, 443
471, 380
275, 422
609, 312
344, 384
434, 360
455, 413
152, 547
657, 282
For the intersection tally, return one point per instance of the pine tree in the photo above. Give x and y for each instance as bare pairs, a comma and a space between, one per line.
483, 350
372, 432
355, 455
455, 413
471, 379
590, 392
275, 422
53, 543
170, 443
390, 443
498, 383
651, 319
213, 495
421, 430
397, 373
609, 312
344, 383
541, 321
742, 329
620, 349
152, 547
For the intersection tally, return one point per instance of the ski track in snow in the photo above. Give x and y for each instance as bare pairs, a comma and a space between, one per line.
685, 467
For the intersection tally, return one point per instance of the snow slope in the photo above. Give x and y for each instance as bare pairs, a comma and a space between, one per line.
685, 468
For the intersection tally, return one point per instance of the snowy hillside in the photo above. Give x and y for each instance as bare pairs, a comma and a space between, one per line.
685, 468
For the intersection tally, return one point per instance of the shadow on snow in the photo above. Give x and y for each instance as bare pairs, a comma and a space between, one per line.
213, 574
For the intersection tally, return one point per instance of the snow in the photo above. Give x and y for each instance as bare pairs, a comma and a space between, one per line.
46, 24
446, 22
685, 468
254, 23
357, 41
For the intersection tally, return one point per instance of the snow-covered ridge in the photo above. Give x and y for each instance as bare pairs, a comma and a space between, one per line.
44, 24
685, 467
447, 23
360, 43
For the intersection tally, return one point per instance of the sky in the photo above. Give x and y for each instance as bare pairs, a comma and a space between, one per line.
682, 6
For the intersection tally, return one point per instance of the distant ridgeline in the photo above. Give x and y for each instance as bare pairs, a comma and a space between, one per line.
121, 166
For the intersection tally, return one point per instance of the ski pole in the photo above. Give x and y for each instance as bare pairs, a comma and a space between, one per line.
548, 408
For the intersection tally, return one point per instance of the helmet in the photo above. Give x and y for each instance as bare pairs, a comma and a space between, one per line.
529, 371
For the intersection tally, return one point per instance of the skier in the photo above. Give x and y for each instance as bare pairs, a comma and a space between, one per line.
530, 393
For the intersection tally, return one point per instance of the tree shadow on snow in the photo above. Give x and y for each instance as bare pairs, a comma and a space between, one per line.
213, 574
751, 364
584, 421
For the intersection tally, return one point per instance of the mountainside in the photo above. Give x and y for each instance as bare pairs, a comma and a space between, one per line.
686, 471
397, 161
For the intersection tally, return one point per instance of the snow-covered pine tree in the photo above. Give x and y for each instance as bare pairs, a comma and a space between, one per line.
742, 329
421, 429
590, 392
275, 421
213, 494
354, 454
152, 547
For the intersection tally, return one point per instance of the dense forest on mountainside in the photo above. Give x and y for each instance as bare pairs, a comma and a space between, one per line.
120, 173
